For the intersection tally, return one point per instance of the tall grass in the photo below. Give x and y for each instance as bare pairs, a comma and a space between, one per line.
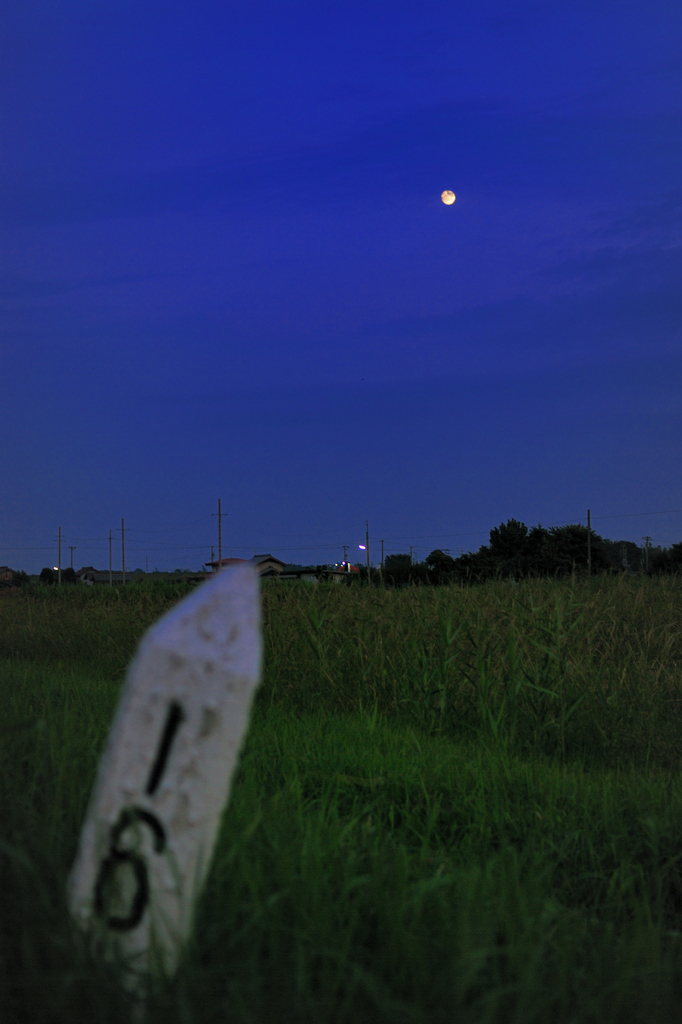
452, 804
588, 670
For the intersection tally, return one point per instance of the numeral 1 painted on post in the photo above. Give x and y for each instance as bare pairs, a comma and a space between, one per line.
164, 777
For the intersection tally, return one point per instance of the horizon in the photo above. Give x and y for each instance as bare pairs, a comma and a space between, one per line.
421, 551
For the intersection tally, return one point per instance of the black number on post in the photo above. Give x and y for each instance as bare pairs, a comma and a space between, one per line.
173, 721
116, 857
128, 816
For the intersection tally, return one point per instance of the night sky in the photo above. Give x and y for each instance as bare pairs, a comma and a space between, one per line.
227, 272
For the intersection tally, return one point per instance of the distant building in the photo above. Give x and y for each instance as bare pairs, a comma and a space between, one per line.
6, 574
225, 562
84, 570
314, 573
267, 565
89, 575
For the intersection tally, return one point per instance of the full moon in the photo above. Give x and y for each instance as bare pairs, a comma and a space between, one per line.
448, 197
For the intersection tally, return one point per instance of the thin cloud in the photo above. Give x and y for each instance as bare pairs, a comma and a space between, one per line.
485, 143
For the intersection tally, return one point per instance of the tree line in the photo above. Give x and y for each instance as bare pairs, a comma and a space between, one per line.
516, 552
513, 552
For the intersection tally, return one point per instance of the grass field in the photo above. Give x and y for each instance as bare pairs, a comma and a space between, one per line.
453, 805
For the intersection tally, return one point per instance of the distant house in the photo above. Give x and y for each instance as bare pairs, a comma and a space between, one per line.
314, 573
267, 565
89, 575
6, 574
225, 562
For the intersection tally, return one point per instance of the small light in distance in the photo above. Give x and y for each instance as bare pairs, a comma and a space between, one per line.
362, 547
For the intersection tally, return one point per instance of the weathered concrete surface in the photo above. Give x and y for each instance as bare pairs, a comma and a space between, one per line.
165, 775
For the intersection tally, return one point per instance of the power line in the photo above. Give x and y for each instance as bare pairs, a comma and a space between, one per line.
563, 522
123, 551
628, 515
220, 515
332, 545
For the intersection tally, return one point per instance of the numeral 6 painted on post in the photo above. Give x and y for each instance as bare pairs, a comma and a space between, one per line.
116, 857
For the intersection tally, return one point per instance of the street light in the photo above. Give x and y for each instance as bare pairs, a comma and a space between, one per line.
365, 547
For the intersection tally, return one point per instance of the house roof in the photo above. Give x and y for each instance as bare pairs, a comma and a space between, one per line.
257, 559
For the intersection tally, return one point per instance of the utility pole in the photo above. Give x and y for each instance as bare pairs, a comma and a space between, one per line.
220, 535
72, 548
111, 575
345, 557
212, 557
647, 545
589, 545
411, 550
382, 554
624, 555
123, 551
369, 571
59, 558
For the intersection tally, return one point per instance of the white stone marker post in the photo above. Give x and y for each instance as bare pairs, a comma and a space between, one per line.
165, 775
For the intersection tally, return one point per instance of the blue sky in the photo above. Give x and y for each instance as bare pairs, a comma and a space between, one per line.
226, 272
